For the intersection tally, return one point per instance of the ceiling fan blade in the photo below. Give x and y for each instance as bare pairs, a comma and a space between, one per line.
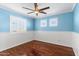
44, 8
43, 12
35, 4
30, 12
28, 8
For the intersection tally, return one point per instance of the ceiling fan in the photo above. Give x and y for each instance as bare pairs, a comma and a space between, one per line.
36, 10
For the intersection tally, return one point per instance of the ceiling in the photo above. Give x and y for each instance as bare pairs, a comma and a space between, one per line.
55, 8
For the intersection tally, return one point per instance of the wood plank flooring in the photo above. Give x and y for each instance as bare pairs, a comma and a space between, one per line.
38, 48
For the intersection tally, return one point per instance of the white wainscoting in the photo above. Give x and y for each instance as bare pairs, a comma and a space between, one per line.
70, 39
76, 43
9, 40
59, 37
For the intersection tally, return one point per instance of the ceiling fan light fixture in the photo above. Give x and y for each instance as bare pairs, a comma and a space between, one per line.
36, 12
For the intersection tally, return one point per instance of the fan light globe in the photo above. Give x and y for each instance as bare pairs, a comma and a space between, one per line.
36, 12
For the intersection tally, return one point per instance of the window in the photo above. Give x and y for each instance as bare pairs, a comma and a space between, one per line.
53, 22
43, 23
17, 24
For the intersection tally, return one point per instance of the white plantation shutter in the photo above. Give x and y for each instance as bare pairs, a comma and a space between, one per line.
17, 24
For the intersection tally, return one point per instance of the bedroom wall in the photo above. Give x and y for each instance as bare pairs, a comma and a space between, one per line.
76, 29
62, 34
65, 23
9, 39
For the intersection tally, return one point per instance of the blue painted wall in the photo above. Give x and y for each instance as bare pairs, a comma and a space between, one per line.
5, 20
76, 18
65, 23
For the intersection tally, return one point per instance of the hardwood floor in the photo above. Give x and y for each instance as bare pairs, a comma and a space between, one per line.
38, 48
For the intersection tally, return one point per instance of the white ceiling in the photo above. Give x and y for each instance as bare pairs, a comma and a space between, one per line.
55, 8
